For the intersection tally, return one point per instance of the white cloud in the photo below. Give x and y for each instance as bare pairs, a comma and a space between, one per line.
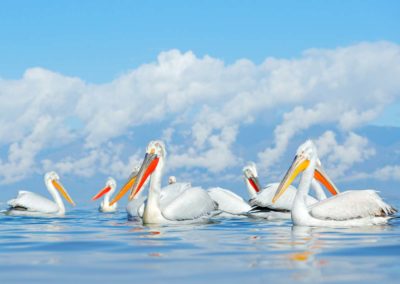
106, 160
386, 173
339, 158
202, 104
216, 158
294, 122
21, 155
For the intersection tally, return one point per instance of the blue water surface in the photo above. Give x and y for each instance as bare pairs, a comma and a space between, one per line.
87, 246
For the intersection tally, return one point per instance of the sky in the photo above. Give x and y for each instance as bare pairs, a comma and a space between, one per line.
85, 85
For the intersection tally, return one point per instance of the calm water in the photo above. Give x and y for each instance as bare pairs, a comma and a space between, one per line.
86, 246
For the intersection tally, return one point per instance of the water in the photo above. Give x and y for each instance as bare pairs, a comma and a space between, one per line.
88, 246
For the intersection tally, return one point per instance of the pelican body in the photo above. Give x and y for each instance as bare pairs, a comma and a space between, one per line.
346, 209
189, 205
229, 202
32, 204
135, 207
261, 199
107, 192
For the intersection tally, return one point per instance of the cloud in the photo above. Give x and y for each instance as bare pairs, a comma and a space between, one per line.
21, 155
294, 122
386, 173
199, 106
340, 158
107, 160
216, 158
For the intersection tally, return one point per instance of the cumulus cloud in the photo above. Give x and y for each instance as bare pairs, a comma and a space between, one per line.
107, 160
217, 157
202, 104
386, 173
22, 154
339, 158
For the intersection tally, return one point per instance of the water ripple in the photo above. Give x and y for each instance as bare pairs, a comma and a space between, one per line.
90, 246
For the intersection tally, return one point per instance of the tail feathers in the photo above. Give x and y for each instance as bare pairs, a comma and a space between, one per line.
390, 210
382, 209
386, 209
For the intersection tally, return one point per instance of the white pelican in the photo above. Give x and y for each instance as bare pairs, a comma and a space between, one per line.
171, 180
261, 199
31, 204
135, 207
346, 209
107, 191
228, 201
193, 204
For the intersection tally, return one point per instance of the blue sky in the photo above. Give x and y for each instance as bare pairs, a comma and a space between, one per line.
98, 40
84, 85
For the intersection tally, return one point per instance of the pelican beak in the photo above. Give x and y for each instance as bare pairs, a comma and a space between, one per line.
128, 185
149, 164
255, 183
101, 192
62, 190
323, 178
299, 164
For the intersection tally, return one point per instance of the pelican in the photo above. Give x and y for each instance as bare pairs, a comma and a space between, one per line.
346, 209
107, 191
31, 204
228, 202
192, 204
171, 180
135, 207
261, 199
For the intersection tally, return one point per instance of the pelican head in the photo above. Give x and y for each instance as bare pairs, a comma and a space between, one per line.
251, 169
250, 174
155, 155
306, 153
111, 184
128, 185
171, 180
54, 179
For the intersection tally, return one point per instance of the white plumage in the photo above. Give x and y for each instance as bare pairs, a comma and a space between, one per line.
264, 198
135, 207
351, 204
193, 203
107, 192
261, 198
349, 208
32, 204
228, 201
187, 205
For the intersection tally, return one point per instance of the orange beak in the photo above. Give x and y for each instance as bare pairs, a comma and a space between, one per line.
128, 185
299, 165
149, 164
322, 177
102, 192
63, 191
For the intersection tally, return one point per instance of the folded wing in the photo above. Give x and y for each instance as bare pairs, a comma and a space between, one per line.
33, 202
191, 204
352, 204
